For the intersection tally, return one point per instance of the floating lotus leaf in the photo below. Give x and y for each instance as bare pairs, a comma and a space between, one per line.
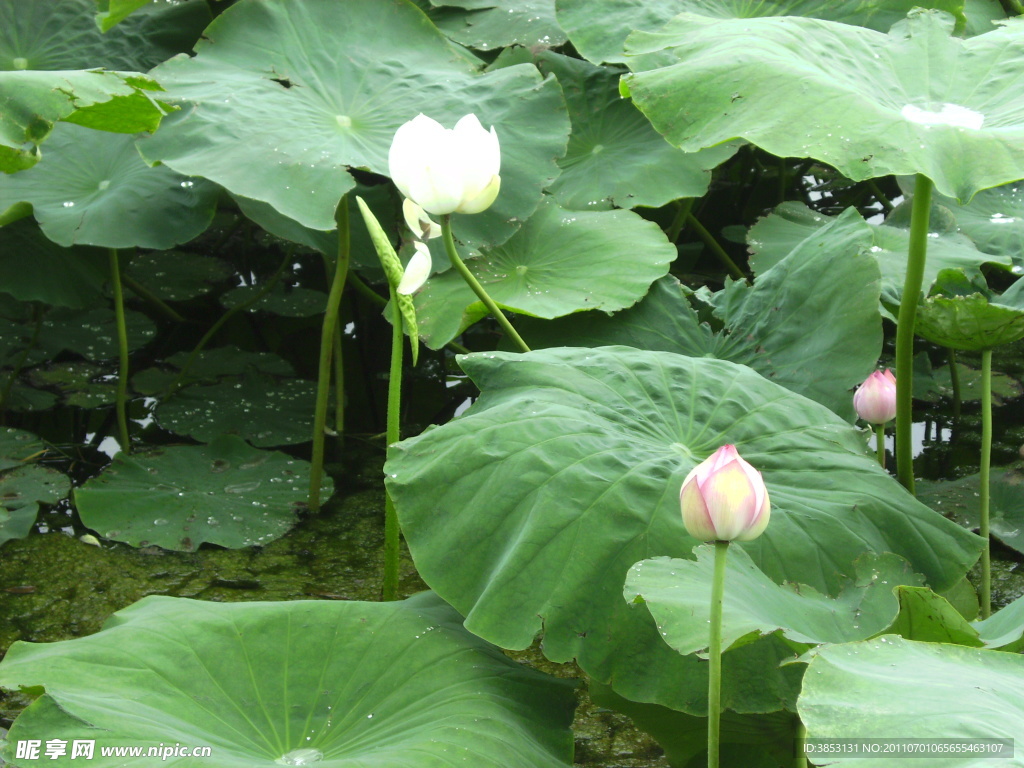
17, 446
614, 156
567, 471
263, 410
177, 275
266, 684
959, 500
179, 497
599, 28
558, 263
33, 268
891, 686
21, 491
91, 333
81, 384
288, 95
491, 24
833, 289
209, 366
678, 595
845, 95
931, 384
96, 190
285, 301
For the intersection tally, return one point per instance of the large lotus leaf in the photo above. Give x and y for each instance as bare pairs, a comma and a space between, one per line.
599, 28
567, 471
225, 493
110, 13
1004, 628
178, 275
968, 322
287, 301
209, 366
21, 491
913, 101
615, 157
34, 268
294, 683
558, 263
491, 24
892, 688
285, 95
833, 289
94, 189
959, 500
263, 410
91, 333
678, 595
17, 446
928, 617
772, 238
63, 34
31, 102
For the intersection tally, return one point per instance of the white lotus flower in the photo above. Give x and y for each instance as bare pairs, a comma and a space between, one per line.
446, 171
419, 223
416, 271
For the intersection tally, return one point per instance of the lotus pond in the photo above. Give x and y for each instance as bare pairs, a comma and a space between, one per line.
471, 382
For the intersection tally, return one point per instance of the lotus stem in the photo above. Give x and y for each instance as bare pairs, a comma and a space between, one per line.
323, 383
147, 295
715, 654
223, 319
954, 380
122, 348
472, 282
880, 443
715, 247
391, 530
880, 195
683, 208
800, 760
986, 466
339, 381
905, 329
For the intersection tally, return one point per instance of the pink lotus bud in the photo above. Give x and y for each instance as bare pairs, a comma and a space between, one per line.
875, 399
724, 498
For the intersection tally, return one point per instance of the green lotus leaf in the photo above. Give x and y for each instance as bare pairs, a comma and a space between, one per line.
292, 683
775, 236
263, 410
982, 15
1004, 629
63, 34
959, 500
931, 384
285, 301
177, 275
226, 493
968, 322
928, 617
833, 289
91, 333
891, 687
281, 106
34, 268
79, 383
111, 12
491, 24
94, 189
558, 263
862, 100
567, 471
32, 102
17, 446
209, 366
678, 595
615, 157
21, 491
599, 28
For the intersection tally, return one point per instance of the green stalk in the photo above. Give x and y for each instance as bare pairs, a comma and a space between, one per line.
715, 654
880, 443
715, 247
339, 382
880, 195
800, 761
122, 347
144, 293
954, 380
986, 465
472, 282
220, 322
390, 589
905, 329
683, 208
323, 383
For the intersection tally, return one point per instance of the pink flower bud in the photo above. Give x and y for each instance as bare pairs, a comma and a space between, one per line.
875, 399
724, 498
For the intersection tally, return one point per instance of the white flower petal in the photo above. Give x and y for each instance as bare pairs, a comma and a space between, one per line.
417, 271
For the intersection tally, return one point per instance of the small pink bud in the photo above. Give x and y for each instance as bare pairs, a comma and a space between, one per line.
875, 399
724, 498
